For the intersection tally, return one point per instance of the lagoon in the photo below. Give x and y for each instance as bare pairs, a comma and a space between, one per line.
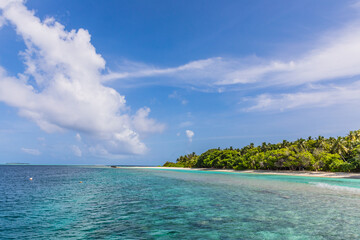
133, 203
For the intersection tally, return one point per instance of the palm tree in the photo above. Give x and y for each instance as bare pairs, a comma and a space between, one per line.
339, 148
320, 142
357, 134
352, 136
301, 144
264, 147
285, 144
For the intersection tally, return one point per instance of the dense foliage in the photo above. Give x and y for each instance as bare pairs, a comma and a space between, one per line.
340, 154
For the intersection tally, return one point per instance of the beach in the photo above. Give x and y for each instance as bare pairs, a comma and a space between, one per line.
268, 172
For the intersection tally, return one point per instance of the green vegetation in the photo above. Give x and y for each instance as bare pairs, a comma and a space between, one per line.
340, 154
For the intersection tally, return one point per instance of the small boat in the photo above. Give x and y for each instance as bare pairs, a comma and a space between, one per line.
114, 166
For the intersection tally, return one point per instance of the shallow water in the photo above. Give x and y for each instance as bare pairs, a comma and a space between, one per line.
173, 204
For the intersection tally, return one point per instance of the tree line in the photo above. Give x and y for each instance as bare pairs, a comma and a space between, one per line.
341, 154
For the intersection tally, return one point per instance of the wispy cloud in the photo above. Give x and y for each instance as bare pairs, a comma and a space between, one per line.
176, 95
321, 97
138, 70
31, 151
76, 150
186, 124
207, 74
332, 59
334, 55
2, 21
68, 93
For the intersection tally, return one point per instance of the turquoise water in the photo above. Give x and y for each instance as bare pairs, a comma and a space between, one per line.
160, 204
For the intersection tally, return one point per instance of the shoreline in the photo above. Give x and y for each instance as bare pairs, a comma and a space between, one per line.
266, 172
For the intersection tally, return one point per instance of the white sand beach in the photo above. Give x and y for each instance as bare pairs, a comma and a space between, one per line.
288, 173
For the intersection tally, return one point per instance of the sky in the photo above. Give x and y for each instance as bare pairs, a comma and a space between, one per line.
143, 82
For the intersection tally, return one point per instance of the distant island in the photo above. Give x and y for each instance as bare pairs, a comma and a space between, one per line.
341, 154
17, 163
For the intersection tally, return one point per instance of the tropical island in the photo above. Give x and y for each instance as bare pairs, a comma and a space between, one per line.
341, 154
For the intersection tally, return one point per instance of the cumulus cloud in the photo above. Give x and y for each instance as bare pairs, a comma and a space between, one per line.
190, 134
61, 88
143, 124
31, 151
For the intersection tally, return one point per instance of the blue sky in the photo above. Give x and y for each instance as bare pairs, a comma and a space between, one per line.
142, 82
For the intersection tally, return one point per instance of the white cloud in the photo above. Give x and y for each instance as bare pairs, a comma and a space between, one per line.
186, 124
78, 137
190, 134
143, 124
335, 54
138, 70
203, 74
321, 63
322, 97
68, 93
76, 150
2, 21
334, 57
31, 151
176, 95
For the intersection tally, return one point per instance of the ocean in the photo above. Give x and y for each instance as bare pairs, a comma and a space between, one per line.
92, 202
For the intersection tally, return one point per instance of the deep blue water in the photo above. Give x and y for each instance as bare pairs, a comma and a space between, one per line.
159, 204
